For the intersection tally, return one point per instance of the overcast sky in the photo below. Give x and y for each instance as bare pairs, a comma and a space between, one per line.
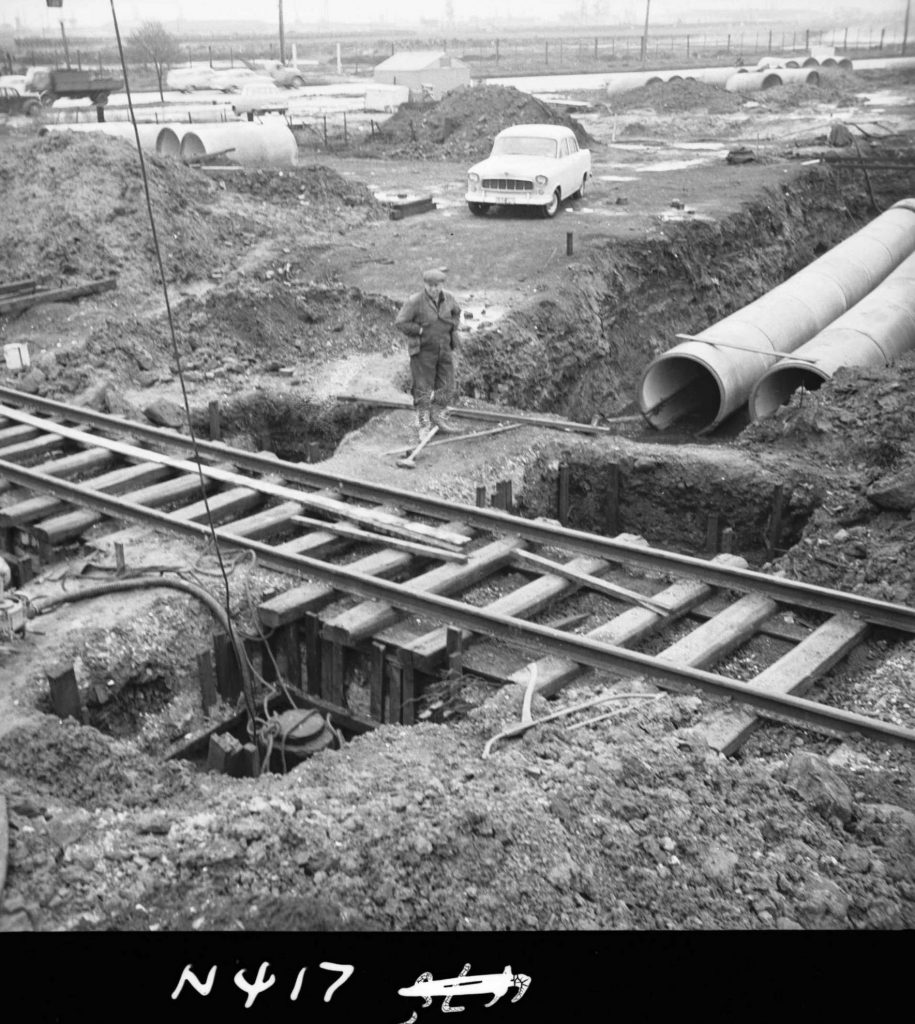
34, 13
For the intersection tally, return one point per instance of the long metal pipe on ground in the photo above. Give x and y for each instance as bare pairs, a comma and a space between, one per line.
708, 383
874, 332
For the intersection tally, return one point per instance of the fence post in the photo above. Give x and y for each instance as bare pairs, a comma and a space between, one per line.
687, 47
344, 128
770, 41
595, 47
79, 61
497, 49
729, 43
325, 131
210, 52
807, 39
546, 52
845, 39
882, 34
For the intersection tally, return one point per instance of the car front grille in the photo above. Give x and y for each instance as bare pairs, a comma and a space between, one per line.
508, 185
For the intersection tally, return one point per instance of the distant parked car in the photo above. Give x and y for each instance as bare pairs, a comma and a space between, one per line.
233, 79
186, 79
530, 165
261, 99
12, 101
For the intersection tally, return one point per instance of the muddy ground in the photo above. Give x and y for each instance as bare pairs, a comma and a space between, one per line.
284, 289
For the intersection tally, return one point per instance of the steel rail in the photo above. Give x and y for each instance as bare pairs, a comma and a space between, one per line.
541, 639
787, 591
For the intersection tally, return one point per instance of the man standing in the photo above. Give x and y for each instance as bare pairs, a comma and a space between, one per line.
430, 319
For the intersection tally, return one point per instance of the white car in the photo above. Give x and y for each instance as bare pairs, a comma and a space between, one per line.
530, 165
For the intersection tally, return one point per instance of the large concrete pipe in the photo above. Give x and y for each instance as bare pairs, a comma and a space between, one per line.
874, 332
758, 80
148, 132
168, 141
710, 377
718, 76
627, 82
248, 143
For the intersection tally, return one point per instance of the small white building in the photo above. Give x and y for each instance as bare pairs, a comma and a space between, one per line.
426, 73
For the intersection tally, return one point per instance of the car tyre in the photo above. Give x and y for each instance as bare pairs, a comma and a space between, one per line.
32, 109
552, 206
478, 209
297, 82
580, 194
46, 98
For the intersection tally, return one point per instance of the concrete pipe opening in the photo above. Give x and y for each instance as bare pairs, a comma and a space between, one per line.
811, 62
793, 64
168, 143
846, 64
680, 388
675, 78
776, 388
830, 62
655, 81
247, 144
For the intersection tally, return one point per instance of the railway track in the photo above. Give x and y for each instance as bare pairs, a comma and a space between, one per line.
400, 585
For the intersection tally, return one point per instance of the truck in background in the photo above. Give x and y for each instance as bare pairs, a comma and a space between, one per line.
58, 83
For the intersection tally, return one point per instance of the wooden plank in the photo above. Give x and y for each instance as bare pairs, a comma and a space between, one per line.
317, 544
264, 523
726, 729
20, 432
563, 501
379, 520
25, 284
408, 690
64, 527
37, 447
4, 842
429, 649
222, 506
612, 512
376, 682
395, 692
337, 668
208, 694
312, 633
18, 303
88, 461
720, 635
284, 643
228, 672
64, 692
368, 617
526, 558
309, 597
552, 673
118, 481
354, 533
454, 649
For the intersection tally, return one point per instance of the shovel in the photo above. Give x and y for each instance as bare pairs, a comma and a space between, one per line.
409, 462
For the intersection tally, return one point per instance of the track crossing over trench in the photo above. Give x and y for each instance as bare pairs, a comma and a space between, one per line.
406, 585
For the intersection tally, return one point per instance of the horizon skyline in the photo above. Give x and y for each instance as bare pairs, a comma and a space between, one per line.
34, 16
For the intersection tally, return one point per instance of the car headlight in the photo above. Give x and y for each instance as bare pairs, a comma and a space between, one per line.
474, 179
541, 179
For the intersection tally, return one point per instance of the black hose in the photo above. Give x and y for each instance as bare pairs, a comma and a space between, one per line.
114, 586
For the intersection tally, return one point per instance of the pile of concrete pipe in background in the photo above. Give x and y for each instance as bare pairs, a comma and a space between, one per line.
767, 73
245, 143
854, 306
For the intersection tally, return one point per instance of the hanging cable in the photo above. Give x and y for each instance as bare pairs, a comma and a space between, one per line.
244, 668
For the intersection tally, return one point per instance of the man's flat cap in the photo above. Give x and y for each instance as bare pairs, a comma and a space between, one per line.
434, 275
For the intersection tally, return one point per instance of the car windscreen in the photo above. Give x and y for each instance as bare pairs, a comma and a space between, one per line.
523, 145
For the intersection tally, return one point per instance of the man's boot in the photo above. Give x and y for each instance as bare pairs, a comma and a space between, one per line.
440, 420
421, 426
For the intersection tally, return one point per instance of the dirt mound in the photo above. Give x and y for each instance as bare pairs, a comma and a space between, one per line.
312, 185
73, 209
860, 429
838, 88
464, 123
671, 97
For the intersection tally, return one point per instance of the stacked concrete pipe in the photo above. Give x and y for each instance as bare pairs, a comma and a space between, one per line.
149, 133
249, 144
874, 332
711, 376
756, 81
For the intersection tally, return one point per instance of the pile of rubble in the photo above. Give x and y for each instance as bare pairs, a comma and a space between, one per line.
463, 124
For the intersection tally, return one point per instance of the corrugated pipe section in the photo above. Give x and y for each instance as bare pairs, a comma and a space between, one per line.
874, 332
711, 376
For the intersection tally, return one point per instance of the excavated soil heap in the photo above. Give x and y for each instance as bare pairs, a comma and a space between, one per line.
464, 123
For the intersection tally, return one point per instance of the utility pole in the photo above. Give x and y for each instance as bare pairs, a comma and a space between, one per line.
282, 34
645, 35
905, 28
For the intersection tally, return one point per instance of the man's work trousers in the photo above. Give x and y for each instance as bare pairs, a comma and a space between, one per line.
433, 371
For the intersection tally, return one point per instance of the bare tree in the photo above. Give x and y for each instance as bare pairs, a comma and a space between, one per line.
152, 44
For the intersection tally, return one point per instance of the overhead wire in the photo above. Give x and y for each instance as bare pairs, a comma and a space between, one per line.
244, 663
